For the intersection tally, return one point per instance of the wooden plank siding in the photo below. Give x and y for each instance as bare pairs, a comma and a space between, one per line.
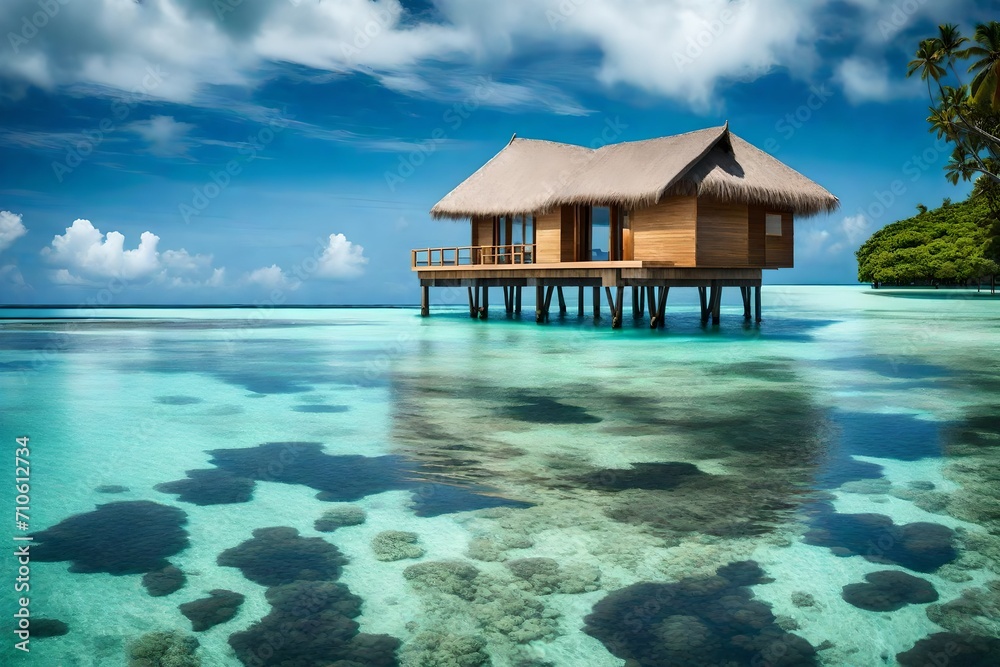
678, 231
667, 231
567, 217
780, 250
482, 231
548, 238
757, 241
723, 234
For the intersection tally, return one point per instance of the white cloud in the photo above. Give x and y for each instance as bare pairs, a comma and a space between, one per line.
680, 49
85, 255
683, 49
341, 259
64, 277
215, 280
865, 80
166, 136
855, 228
11, 229
178, 50
85, 249
844, 236
272, 278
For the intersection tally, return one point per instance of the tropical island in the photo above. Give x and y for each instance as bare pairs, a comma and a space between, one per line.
947, 246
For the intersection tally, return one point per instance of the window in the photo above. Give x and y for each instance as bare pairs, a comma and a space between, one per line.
601, 234
773, 224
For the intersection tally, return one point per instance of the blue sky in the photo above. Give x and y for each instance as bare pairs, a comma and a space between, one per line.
220, 151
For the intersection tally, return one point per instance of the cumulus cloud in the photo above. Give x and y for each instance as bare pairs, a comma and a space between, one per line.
84, 254
341, 259
11, 229
272, 278
85, 249
165, 136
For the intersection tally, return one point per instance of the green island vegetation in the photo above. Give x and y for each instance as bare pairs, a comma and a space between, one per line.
957, 243
946, 246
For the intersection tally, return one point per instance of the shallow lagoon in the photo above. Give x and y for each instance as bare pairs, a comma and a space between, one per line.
554, 495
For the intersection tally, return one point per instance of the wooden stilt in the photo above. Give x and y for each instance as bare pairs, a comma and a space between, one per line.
619, 307
661, 307
717, 304
635, 303
651, 301
548, 303
613, 307
425, 301
473, 302
484, 310
517, 300
756, 305
704, 304
642, 302
506, 300
579, 302
539, 304
562, 301
745, 293
597, 303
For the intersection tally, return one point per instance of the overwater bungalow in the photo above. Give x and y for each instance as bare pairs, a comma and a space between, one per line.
704, 209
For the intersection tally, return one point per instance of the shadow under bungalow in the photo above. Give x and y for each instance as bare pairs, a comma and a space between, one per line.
704, 209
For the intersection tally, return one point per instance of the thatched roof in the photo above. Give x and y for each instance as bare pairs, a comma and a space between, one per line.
531, 176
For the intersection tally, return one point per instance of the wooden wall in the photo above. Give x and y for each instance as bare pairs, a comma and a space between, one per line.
780, 250
757, 243
666, 232
723, 238
482, 231
567, 215
548, 237
683, 230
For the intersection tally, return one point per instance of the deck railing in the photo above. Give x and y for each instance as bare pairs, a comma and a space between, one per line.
489, 255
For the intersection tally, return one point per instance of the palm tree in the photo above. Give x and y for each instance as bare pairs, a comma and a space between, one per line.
987, 67
950, 42
928, 63
942, 120
960, 166
964, 115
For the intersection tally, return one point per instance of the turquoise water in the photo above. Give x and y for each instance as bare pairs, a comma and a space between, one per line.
821, 490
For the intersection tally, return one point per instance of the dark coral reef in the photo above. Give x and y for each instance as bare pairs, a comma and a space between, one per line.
705, 621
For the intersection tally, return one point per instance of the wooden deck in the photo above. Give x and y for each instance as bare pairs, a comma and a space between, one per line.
586, 274
649, 283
